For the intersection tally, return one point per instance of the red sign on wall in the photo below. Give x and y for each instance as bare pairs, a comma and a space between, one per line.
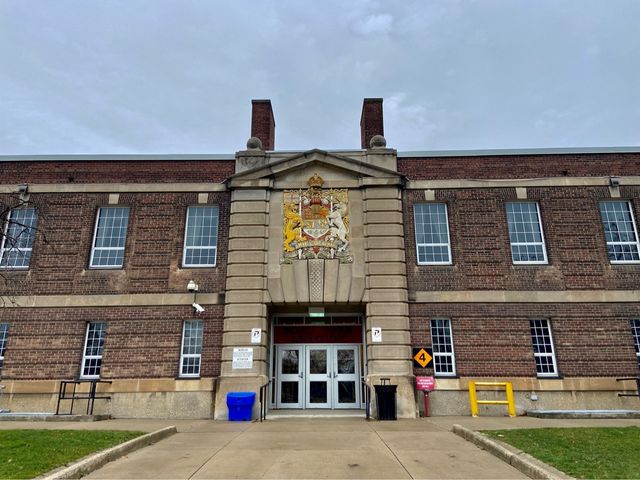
425, 383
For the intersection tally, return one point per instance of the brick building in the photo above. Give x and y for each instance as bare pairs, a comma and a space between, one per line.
510, 265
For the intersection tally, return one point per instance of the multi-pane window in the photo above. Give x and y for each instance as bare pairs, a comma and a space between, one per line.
635, 330
442, 343
543, 348
4, 334
201, 237
432, 233
17, 240
620, 232
93, 347
109, 237
525, 233
191, 351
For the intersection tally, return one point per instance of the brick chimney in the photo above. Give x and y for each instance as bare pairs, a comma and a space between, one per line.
371, 122
263, 124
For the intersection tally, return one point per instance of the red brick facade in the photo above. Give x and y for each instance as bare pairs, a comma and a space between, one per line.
491, 338
141, 342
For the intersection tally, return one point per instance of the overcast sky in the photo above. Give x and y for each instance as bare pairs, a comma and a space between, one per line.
156, 76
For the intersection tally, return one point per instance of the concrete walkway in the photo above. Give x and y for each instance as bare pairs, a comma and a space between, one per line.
311, 448
314, 448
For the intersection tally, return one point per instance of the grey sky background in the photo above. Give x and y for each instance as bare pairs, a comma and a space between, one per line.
162, 76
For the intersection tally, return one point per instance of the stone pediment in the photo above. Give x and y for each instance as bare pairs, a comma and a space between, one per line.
293, 171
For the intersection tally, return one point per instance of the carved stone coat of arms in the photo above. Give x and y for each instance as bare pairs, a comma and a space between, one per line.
316, 223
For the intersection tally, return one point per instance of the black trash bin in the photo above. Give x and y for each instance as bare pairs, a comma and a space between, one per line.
386, 400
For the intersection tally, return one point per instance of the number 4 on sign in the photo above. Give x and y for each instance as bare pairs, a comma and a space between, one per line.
422, 357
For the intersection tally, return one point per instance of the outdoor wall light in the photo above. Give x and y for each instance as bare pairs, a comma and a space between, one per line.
193, 287
614, 181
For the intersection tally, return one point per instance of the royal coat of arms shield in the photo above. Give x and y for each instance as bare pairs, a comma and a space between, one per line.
316, 223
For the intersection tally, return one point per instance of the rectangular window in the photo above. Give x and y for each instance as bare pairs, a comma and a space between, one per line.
525, 233
432, 234
191, 350
4, 334
93, 347
201, 237
17, 241
444, 363
620, 232
109, 237
543, 348
635, 330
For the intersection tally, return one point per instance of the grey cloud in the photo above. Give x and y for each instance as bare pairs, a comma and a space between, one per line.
178, 76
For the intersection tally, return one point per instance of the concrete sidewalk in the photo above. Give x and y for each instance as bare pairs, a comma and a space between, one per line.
315, 448
311, 448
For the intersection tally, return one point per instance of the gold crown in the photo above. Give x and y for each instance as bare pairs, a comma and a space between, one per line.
316, 181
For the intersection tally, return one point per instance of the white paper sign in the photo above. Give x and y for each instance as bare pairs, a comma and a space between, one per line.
242, 358
256, 335
376, 334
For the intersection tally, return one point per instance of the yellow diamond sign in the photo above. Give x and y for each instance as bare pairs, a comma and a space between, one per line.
423, 358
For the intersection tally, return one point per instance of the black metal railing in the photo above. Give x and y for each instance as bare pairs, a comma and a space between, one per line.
367, 398
637, 380
90, 396
264, 397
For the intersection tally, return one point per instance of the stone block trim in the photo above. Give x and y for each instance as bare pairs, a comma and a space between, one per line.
246, 289
386, 292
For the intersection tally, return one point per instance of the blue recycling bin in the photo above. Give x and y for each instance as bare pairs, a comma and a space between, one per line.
240, 405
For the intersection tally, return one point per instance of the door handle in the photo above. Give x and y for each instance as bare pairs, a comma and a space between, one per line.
301, 374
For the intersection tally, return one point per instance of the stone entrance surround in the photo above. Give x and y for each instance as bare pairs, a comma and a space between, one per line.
375, 280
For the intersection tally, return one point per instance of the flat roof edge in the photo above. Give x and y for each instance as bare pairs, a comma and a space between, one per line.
516, 151
115, 157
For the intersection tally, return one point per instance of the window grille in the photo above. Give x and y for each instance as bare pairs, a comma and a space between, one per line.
191, 351
432, 234
444, 363
201, 237
620, 232
543, 351
17, 241
109, 237
93, 347
635, 330
4, 335
525, 233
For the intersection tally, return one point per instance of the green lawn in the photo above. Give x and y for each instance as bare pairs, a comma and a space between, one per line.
29, 453
581, 452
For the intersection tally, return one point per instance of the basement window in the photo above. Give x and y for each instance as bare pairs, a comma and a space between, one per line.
191, 350
93, 348
543, 350
635, 330
4, 335
444, 363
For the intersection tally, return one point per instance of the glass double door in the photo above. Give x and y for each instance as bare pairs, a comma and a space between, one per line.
318, 376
